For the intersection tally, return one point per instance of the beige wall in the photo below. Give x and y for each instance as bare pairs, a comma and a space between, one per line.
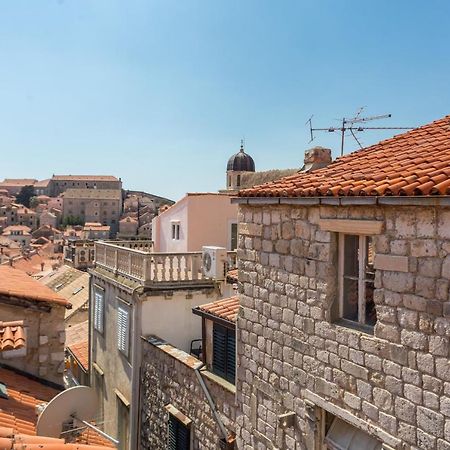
171, 317
204, 220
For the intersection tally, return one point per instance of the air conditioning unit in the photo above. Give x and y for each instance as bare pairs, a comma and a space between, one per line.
214, 262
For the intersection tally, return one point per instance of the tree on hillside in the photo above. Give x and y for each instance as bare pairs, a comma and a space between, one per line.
24, 196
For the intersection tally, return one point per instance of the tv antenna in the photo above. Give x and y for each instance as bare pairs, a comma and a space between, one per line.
70, 412
354, 125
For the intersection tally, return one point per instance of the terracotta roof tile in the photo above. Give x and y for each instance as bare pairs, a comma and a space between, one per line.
232, 276
84, 177
15, 283
12, 335
81, 352
226, 309
18, 416
416, 163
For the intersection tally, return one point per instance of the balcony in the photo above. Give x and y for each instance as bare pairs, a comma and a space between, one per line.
136, 261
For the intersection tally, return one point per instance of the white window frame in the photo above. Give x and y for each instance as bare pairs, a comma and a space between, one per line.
176, 226
361, 278
123, 327
99, 310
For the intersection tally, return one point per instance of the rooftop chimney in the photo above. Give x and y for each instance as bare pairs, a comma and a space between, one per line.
316, 158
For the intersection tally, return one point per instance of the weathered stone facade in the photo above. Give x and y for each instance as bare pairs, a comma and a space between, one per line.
168, 377
43, 355
395, 384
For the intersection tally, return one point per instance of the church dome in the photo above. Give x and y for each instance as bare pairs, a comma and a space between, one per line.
241, 162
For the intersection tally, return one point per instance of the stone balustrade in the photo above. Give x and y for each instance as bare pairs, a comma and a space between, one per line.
140, 264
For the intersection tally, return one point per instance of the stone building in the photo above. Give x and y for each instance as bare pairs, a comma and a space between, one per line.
20, 234
79, 253
27, 217
343, 333
14, 185
61, 183
48, 218
128, 226
41, 312
94, 205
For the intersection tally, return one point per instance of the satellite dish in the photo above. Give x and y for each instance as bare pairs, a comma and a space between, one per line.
78, 402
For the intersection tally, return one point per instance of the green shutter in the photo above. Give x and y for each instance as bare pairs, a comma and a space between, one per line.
224, 352
179, 435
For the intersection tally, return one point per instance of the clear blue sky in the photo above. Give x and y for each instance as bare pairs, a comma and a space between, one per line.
160, 92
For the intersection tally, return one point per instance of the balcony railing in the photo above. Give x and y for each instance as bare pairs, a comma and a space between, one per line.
148, 268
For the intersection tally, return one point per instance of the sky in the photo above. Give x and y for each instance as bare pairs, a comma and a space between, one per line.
161, 92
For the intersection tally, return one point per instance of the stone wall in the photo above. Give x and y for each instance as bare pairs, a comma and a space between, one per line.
168, 377
45, 339
291, 357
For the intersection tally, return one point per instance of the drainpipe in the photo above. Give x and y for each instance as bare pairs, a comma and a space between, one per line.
210, 400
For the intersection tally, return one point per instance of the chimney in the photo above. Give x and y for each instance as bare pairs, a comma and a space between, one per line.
316, 158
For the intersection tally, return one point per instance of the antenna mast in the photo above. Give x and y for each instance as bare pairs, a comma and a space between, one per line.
350, 125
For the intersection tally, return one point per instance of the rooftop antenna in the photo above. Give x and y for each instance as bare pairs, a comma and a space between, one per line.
70, 412
351, 125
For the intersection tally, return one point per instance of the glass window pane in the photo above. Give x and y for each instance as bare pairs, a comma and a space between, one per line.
350, 299
371, 314
351, 247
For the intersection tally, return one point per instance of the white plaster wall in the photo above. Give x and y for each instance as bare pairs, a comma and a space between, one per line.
162, 234
172, 319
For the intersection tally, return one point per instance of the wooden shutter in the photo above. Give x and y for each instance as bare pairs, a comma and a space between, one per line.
231, 355
224, 352
99, 306
219, 350
179, 435
123, 329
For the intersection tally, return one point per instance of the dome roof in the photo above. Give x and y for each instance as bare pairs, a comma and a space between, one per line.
241, 161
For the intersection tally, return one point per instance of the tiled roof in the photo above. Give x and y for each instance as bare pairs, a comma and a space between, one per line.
76, 333
18, 413
15, 283
42, 183
18, 182
32, 264
416, 163
70, 283
81, 352
226, 309
100, 194
232, 276
84, 178
12, 335
26, 230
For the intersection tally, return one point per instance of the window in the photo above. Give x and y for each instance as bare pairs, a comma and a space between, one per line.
341, 435
238, 180
123, 421
123, 329
356, 280
179, 435
176, 231
224, 352
99, 391
99, 310
234, 236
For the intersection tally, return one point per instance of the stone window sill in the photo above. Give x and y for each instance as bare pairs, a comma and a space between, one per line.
219, 380
354, 326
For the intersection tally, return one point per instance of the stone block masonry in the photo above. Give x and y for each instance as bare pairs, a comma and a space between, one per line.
393, 383
168, 378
